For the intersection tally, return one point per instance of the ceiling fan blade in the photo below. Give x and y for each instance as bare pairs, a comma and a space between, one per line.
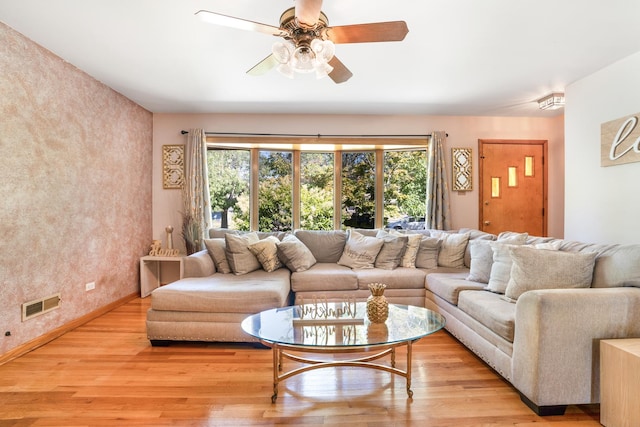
391, 31
263, 66
241, 24
307, 12
340, 73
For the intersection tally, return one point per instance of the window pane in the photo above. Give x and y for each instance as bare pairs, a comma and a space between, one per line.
275, 191
316, 191
229, 172
513, 176
495, 187
358, 189
528, 166
405, 189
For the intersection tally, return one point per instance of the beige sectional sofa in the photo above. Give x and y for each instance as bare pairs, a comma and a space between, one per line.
566, 296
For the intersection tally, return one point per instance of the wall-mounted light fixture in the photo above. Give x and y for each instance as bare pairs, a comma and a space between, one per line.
552, 101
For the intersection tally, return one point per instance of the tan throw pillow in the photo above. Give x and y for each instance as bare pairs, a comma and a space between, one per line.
360, 251
547, 269
240, 258
392, 250
501, 267
266, 250
427, 256
216, 248
411, 251
481, 261
452, 248
294, 254
513, 238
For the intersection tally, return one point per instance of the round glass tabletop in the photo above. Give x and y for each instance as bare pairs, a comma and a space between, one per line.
341, 325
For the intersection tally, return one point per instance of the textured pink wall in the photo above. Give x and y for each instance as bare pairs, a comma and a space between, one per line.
75, 189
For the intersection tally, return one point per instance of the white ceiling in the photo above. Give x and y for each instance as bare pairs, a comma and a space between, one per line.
461, 57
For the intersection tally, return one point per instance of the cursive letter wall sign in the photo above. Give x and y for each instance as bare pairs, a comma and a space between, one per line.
620, 141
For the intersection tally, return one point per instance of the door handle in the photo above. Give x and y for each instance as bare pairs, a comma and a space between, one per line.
487, 223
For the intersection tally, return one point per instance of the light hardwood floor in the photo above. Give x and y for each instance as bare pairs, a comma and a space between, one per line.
105, 373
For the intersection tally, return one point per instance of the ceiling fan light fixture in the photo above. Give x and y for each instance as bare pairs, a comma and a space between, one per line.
322, 69
283, 51
324, 49
303, 59
286, 70
552, 101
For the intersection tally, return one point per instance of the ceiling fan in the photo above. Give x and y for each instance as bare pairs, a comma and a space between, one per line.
308, 44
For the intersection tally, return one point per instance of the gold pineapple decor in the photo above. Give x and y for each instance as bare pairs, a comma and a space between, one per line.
377, 304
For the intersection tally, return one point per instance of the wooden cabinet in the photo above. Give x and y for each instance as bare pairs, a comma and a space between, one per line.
620, 382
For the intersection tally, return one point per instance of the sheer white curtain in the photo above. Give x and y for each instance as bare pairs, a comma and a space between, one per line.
438, 210
197, 207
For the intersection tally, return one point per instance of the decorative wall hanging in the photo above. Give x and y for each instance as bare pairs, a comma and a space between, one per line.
172, 166
462, 172
620, 141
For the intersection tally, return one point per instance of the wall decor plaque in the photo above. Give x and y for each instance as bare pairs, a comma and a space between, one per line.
462, 171
172, 166
620, 141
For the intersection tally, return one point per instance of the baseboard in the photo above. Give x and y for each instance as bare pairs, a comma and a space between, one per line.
51, 335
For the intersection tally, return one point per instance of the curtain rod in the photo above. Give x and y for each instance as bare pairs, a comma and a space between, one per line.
184, 132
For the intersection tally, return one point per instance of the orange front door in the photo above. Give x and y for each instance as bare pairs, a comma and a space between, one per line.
513, 186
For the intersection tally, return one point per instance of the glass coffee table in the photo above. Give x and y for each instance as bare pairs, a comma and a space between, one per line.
337, 328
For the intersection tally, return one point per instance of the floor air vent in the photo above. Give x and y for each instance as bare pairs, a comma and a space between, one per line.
40, 306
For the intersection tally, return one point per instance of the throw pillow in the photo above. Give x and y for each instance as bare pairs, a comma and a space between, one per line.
428, 250
481, 261
543, 269
513, 238
452, 248
411, 250
266, 250
360, 251
240, 258
294, 254
501, 267
392, 250
216, 248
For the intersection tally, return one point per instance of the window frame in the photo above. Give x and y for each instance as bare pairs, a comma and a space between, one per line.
335, 145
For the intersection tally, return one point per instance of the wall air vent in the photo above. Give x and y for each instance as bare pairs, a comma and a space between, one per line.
40, 306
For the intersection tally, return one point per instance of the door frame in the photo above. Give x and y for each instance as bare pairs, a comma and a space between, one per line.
545, 175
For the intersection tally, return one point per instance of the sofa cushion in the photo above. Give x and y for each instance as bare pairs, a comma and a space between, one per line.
452, 248
324, 277
392, 250
427, 256
249, 293
360, 251
326, 246
217, 250
501, 267
474, 235
240, 258
491, 310
547, 269
266, 251
411, 250
449, 285
399, 278
481, 261
295, 254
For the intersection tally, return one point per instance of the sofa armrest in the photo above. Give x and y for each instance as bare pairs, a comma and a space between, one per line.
556, 349
199, 264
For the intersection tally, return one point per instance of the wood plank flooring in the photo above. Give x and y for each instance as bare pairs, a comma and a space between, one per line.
105, 373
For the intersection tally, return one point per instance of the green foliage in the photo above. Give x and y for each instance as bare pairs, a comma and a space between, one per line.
275, 194
358, 189
229, 172
405, 183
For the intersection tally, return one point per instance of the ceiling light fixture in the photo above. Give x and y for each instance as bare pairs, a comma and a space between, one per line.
552, 101
305, 50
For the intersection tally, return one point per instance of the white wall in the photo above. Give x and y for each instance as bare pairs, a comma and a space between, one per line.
602, 204
463, 132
